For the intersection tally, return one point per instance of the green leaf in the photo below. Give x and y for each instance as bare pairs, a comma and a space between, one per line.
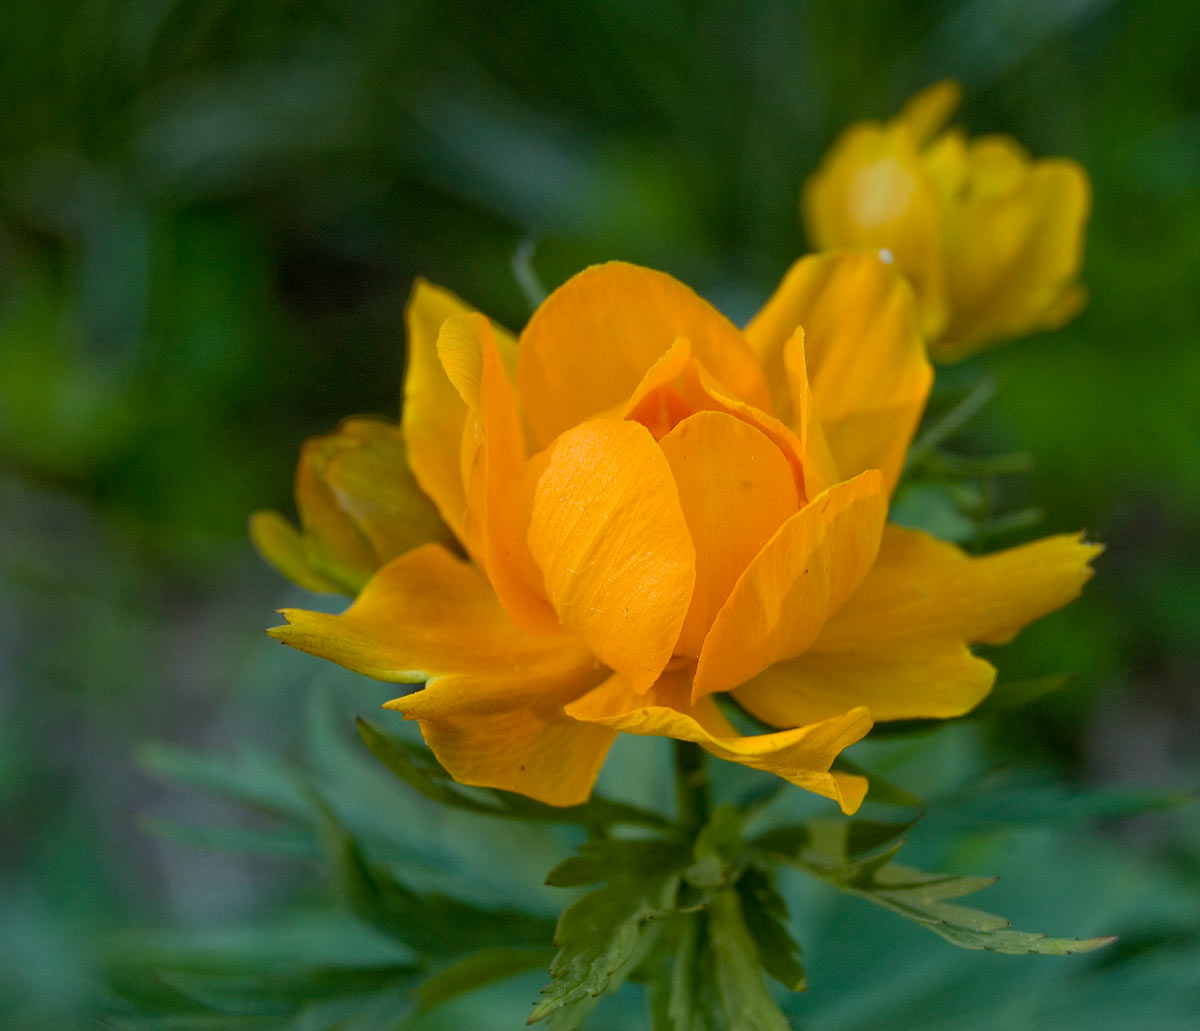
942, 428
1015, 694
920, 897
765, 914
719, 851
744, 999
432, 924
416, 767
251, 777
605, 859
602, 936
479, 969
685, 999
288, 841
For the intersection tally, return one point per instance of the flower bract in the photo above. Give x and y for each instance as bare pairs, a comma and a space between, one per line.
658, 515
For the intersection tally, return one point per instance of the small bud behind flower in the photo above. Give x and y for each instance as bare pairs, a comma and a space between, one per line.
359, 508
991, 240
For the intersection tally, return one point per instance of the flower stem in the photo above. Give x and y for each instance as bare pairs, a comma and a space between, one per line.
692, 791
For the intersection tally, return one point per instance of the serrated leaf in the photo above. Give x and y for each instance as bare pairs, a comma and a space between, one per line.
605, 859
601, 937
765, 914
742, 993
417, 768
479, 969
920, 897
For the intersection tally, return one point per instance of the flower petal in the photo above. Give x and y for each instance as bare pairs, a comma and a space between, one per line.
932, 677
928, 111
921, 587
492, 708
1015, 247
591, 341
736, 489
678, 386
865, 358
287, 549
427, 614
511, 733
359, 508
799, 579
819, 467
492, 455
802, 755
366, 467
872, 191
607, 531
433, 413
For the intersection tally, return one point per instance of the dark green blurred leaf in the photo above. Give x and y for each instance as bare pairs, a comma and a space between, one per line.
430, 923
765, 914
280, 842
252, 777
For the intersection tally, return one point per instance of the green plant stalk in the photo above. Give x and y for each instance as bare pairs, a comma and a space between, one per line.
692, 790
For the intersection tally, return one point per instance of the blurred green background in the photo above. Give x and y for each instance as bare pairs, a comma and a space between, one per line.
211, 214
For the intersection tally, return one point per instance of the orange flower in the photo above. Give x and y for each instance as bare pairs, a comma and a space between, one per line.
658, 510
991, 240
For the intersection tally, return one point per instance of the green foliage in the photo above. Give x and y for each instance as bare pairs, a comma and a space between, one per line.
830, 851
602, 936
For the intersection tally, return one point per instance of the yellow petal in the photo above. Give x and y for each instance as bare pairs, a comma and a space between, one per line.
607, 531
866, 364
591, 341
678, 386
802, 755
920, 587
335, 543
932, 677
736, 489
926, 113
359, 508
287, 549
492, 455
799, 579
492, 708
819, 467
366, 468
434, 414
426, 614
1014, 247
511, 733
872, 191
